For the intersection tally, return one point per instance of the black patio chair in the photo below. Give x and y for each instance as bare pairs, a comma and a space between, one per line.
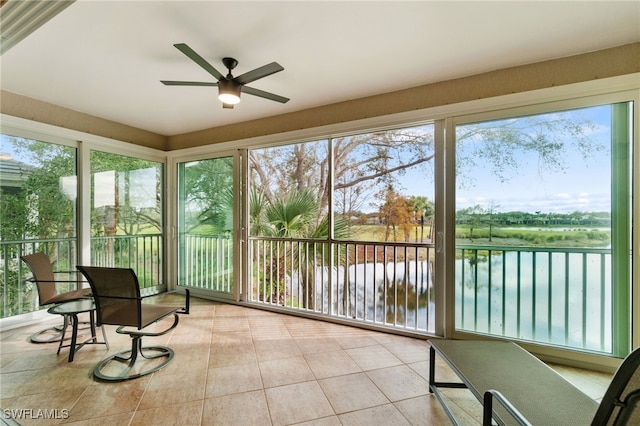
118, 302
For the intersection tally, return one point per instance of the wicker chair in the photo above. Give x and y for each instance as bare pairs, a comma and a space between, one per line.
46, 283
118, 302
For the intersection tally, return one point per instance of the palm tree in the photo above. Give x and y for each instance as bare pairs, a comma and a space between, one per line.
296, 216
293, 216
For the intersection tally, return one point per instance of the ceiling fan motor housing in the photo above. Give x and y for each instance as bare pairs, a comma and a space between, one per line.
229, 63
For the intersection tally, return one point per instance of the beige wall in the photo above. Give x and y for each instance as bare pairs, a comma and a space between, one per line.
43, 112
557, 72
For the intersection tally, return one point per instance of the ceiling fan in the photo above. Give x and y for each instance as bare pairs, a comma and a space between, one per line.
229, 87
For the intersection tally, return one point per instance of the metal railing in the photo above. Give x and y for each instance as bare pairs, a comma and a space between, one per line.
143, 253
388, 284
206, 262
20, 296
559, 296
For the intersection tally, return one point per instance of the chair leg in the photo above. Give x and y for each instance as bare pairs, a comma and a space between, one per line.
130, 357
94, 335
50, 335
53, 334
63, 332
187, 302
104, 337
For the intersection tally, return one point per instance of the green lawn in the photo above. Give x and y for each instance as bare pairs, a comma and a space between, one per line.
577, 237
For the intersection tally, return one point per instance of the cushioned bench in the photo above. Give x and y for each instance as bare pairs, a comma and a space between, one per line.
525, 386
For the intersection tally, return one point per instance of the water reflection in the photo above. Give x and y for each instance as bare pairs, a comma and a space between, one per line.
399, 293
561, 298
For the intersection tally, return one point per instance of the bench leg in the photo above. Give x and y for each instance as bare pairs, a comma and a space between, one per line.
432, 368
487, 409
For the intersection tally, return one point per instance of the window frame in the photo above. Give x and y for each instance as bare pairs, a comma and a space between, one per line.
608, 89
547, 352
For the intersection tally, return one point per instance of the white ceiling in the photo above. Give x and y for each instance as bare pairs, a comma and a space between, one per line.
105, 58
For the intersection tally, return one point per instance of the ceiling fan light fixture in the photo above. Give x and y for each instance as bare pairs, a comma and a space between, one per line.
229, 92
229, 87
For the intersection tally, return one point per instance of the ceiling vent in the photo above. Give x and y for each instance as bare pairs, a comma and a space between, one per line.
19, 18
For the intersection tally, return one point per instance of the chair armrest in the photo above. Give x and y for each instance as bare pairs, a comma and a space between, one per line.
183, 310
187, 300
33, 280
124, 329
122, 298
488, 408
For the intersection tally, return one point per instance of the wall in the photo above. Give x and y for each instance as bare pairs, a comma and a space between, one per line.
43, 112
611, 62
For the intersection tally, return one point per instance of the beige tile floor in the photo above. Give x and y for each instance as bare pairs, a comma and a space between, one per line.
240, 366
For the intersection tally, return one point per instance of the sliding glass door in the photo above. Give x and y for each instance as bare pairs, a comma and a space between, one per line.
543, 228
206, 225
343, 227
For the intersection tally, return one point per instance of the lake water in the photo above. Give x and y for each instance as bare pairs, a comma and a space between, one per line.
557, 298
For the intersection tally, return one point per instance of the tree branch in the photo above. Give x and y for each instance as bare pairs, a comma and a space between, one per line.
383, 172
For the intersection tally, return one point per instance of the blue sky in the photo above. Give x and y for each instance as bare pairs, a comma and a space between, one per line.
581, 185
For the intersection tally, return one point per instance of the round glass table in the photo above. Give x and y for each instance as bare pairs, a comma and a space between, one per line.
70, 312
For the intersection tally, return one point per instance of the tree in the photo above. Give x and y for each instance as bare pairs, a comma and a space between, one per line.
13, 221
541, 138
349, 200
397, 210
472, 216
360, 163
208, 190
365, 164
424, 210
40, 208
490, 219
45, 205
295, 217
34, 206
124, 216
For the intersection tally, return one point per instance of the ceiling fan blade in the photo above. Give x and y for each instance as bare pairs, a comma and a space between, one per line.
187, 83
263, 94
228, 106
199, 60
263, 71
